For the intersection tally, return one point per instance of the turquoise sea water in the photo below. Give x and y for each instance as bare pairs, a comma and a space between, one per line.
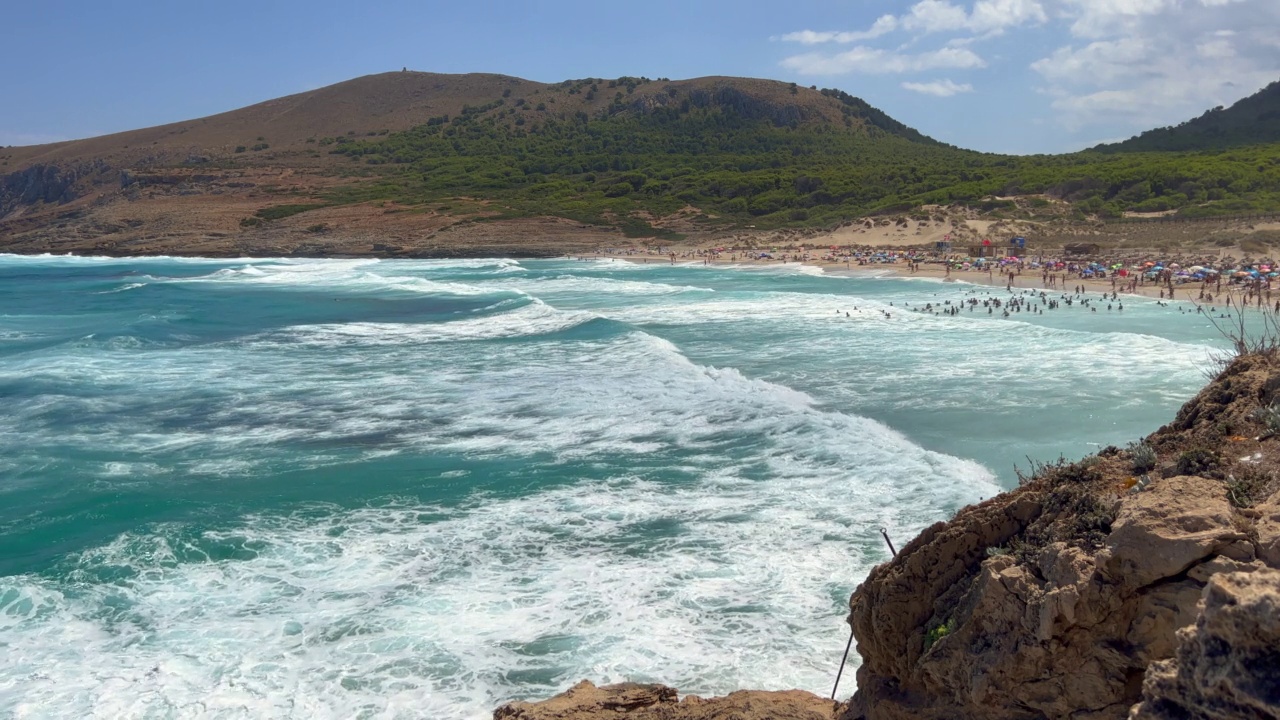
341, 488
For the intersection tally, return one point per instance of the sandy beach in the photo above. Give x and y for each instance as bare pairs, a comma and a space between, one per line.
1027, 279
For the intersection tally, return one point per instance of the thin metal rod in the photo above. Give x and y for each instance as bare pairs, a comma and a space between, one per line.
849, 645
885, 533
842, 662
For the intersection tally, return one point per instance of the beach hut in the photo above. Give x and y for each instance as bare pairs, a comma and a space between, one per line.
1081, 249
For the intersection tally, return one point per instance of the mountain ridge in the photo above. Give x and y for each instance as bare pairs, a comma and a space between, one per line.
425, 159
1250, 121
393, 101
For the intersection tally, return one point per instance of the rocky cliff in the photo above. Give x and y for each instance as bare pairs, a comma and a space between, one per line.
47, 184
1054, 599
1140, 575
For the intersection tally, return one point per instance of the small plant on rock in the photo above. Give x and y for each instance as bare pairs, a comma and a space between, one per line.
1269, 416
1142, 456
1197, 461
1250, 487
938, 632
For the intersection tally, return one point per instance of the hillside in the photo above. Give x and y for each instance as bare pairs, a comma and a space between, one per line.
1251, 121
422, 164
365, 105
397, 101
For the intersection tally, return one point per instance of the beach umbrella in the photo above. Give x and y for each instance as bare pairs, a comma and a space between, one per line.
1174, 265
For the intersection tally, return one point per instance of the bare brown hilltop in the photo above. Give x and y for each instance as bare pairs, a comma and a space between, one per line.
1141, 582
185, 188
369, 105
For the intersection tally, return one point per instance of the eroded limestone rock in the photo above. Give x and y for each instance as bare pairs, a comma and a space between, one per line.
1228, 663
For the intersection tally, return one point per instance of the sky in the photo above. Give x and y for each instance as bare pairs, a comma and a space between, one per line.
1012, 76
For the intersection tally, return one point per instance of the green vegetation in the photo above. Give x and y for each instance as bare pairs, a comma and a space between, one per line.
1251, 121
1198, 461
1269, 416
1142, 457
738, 159
938, 632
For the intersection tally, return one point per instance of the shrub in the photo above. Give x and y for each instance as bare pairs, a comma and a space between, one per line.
1250, 487
1143, 456
1197, 461
1269, 416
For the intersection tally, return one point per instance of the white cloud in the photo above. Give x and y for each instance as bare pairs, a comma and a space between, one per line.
986, 18
1100, 62
871, 61
1102, 18
996, 15
938, 88
1107, 67
935, 16
886, 24
1146, 63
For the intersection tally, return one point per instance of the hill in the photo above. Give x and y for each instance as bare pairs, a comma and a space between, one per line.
396, 101
428, 164
370, 104
1251, 121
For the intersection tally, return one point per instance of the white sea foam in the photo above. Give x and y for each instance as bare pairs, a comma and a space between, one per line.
123, 288
535, 318
598, 287
395, 611
732, 578
348, 275
724, 520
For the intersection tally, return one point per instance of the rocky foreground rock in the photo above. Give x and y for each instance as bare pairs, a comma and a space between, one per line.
1141, 582
659, 702
1228, 664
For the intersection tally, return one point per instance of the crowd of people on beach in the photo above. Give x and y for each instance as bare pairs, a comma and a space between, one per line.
1200, 277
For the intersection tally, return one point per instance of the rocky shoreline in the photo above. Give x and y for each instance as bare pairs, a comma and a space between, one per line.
1141, 582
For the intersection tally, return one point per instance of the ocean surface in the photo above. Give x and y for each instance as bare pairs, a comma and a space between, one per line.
358, 488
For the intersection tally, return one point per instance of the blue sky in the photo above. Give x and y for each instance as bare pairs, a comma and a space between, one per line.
1020, 76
